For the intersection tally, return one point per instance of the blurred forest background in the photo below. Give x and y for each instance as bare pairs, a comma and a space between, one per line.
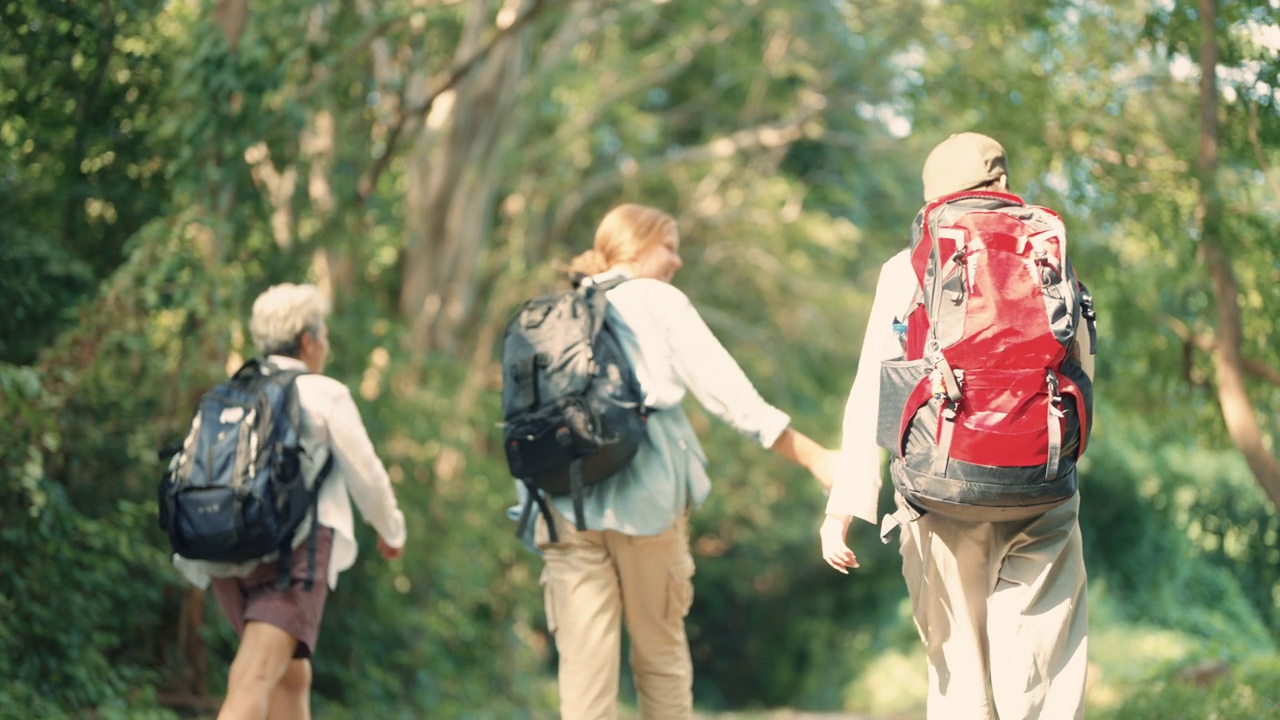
431, 163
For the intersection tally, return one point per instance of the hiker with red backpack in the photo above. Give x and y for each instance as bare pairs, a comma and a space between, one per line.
255, 501
593, 381
976, 375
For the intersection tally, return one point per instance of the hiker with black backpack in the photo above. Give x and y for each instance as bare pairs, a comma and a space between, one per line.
609, 465
256, 504
976, 375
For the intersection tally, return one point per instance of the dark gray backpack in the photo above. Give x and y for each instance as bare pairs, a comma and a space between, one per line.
573, 413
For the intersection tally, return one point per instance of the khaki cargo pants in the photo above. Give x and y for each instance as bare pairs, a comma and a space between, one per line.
1001, 610
593, 581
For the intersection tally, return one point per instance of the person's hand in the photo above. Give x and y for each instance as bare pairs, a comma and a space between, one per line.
834, 550
388, 552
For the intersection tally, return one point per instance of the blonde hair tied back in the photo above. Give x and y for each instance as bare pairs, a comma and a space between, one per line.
587, 263
623, 235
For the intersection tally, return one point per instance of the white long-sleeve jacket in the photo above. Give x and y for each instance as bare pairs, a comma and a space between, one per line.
330, 420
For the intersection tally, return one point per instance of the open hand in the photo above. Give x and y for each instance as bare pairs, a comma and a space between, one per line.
834, 550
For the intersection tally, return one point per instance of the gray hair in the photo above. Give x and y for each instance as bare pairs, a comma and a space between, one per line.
283, 313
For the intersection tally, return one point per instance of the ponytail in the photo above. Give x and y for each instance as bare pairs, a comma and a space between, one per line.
625, 232
590, 262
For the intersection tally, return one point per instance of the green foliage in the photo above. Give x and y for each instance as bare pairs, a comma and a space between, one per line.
65, 642
772, 625
1237, 691
137, 152
447, 629
1182, 537
43, 282
81, 169
78, 649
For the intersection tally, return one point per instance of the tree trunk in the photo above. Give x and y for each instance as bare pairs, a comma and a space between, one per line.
1229, 367
452, 186
231, 16
191, 641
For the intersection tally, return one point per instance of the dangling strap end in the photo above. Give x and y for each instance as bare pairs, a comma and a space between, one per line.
903, 516
1055, 419
947, 420
576, 490
284, 563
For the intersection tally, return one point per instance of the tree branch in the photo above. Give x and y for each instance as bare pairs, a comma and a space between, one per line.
767, 136
322, 75
440, 85
658, 67
1206, 342
1257, 149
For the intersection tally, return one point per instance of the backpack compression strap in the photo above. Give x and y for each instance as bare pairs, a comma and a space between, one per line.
533, 494
285, 562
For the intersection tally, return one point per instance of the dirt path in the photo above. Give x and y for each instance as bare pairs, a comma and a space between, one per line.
760, 715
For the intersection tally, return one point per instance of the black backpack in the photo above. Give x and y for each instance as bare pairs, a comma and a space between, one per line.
573, 412
234, 490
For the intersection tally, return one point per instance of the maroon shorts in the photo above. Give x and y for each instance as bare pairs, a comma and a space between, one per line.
293, 609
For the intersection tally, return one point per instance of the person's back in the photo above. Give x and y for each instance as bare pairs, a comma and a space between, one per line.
279, 622
632, 563
999, 604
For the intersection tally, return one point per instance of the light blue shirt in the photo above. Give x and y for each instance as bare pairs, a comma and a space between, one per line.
673, 352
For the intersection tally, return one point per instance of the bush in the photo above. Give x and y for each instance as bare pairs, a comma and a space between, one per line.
1208, 690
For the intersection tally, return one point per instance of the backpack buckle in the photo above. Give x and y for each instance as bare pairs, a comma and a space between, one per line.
1055, 395
946, 382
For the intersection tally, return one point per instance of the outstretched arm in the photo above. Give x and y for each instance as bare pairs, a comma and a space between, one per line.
805, 452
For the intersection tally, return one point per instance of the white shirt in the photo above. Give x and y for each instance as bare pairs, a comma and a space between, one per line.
672, 352
855, 487
330, 420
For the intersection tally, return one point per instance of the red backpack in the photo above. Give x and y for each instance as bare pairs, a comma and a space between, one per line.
988, 408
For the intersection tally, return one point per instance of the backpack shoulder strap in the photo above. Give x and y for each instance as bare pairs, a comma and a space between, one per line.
606, 285
595, 295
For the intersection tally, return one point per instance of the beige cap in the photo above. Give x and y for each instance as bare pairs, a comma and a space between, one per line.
960, 162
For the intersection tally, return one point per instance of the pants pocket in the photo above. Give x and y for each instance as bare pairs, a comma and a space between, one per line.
680, 590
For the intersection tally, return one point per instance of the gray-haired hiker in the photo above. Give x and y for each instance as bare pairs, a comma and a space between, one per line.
617, 549
976, 376
270, 462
